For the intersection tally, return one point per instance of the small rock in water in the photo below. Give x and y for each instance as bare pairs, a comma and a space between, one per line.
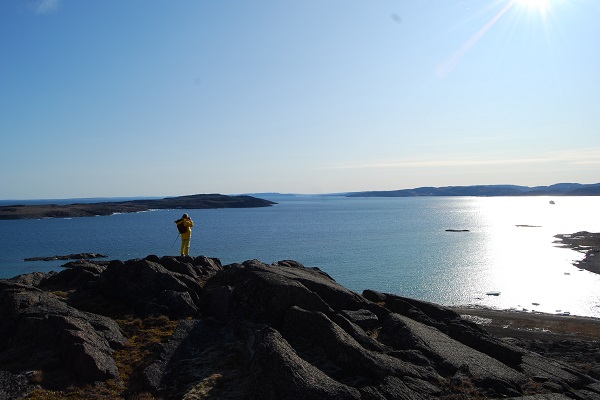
567, 273
535, 304
493, 293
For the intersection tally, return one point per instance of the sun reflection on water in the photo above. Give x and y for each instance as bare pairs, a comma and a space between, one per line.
524, 269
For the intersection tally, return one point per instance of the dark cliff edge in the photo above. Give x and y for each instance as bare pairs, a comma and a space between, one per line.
196, 201
189, 327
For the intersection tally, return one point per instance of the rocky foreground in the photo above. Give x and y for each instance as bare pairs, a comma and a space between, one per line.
190, 328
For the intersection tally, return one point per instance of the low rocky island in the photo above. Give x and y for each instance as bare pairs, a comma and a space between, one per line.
196, 201
76, 256
190, 327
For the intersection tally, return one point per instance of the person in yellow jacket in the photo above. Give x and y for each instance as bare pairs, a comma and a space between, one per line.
184, 225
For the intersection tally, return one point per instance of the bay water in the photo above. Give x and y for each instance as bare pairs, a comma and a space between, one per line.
505, 258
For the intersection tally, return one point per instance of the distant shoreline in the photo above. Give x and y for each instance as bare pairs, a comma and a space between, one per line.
558, 189
191, 202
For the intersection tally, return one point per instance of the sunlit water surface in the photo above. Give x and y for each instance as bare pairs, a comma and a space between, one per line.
394, 245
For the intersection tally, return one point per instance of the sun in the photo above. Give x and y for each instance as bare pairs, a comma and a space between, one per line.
533, 5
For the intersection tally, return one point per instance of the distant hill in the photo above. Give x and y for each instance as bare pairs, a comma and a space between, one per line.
559, 189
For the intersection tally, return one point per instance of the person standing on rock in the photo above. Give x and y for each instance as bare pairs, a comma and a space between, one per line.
184, 225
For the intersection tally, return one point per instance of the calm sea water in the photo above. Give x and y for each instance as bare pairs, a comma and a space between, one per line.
394, 245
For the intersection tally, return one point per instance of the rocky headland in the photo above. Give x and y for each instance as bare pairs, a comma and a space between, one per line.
191, 328
196, 201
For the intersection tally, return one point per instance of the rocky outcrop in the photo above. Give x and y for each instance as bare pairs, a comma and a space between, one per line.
258, 331
39, 331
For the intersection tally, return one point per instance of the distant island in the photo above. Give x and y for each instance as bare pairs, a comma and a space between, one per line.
559, 189
196, 201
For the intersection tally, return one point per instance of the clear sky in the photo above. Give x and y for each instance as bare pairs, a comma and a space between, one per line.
151, 98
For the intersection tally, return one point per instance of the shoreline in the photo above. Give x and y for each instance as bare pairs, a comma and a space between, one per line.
583, 242
573, 340
532, 325
535, 325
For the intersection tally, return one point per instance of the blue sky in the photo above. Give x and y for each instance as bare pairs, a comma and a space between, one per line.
152, 98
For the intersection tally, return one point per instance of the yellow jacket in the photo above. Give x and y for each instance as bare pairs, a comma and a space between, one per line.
188, 223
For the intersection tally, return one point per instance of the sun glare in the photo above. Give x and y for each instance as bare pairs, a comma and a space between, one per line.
534, 5
520, 9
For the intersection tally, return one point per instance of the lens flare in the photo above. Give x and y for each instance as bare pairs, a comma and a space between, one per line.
450, 63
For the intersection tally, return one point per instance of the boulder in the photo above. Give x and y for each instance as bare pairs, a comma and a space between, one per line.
263, 293
260, 293
146, 285
353, 361
33, 279
38, 331
203, 356
280, 373
453, 357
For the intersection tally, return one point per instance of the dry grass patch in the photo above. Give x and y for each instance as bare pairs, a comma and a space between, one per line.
145, 338
108, 390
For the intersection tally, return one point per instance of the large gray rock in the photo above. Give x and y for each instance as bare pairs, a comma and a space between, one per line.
342, 349
263, 293
279, 373
382, 345
150, 288
39, 331
203, 356
453, 356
